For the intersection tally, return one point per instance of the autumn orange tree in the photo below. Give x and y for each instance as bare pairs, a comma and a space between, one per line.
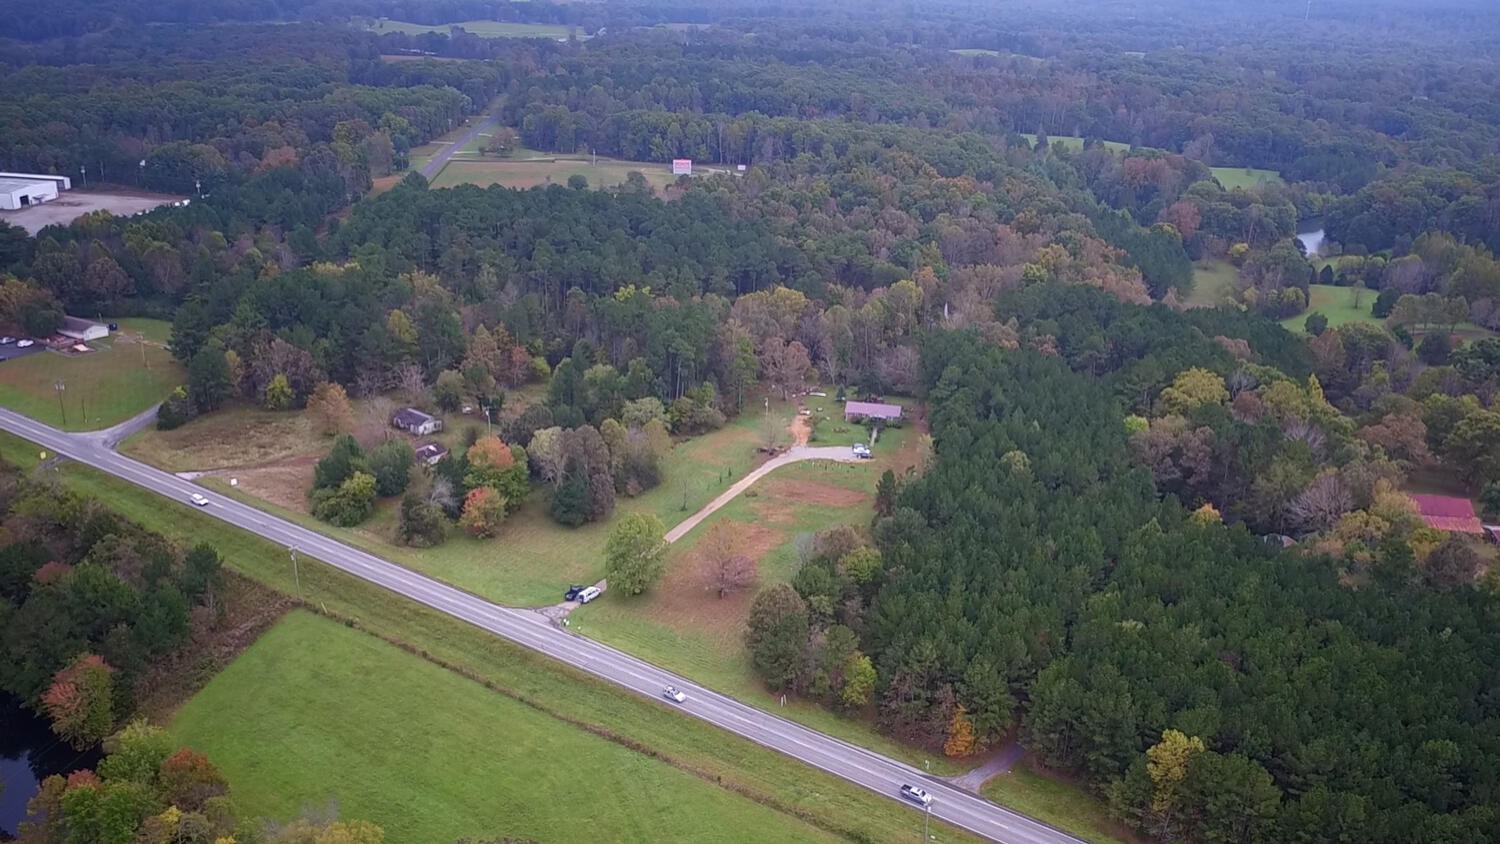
484, 511
960, 734
80, 700
330, 409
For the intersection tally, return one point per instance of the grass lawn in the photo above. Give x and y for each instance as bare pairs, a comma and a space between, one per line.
688, 744
106, 386
1245, 177
1213, 282
483, 29
1062, 804
530, 563
1075, 143
432, 756
681, 625
524, 173
1336, 303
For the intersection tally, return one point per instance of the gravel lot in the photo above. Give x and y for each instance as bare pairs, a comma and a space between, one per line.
72, 204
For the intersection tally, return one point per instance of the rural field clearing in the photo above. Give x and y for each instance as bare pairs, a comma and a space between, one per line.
531, 172
1073, 142
1245, 177
431, 756
1213, 283
120, 378
533, 559
483, 29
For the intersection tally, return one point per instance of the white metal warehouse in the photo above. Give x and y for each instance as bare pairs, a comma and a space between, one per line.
23, 193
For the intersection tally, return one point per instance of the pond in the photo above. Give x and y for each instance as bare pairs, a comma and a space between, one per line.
29, 753
1312, 242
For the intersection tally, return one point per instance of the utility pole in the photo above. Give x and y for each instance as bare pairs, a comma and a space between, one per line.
142, 338
296, 576
926, 819
59, 386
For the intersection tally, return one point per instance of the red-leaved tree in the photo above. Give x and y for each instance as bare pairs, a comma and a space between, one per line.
80, 700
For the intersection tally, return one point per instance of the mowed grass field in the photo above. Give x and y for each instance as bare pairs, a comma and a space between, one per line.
1245, 177
1213, 282
315, 712
688, 744
531, 172
1073, 142
483, 29
108, 385
1342, 305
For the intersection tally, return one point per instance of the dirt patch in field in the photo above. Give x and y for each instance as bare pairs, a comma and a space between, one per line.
284, 483
683, 599
785, 490
913, 452
800, 429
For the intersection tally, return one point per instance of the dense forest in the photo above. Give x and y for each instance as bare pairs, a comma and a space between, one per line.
1170, 547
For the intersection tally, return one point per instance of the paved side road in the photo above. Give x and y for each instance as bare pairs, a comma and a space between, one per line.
855, 764
439, 161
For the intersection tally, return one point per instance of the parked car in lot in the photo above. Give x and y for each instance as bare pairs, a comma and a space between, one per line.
589, 594
861, 451
7, 340
25, 344
673, 693
199, 500
572, 593
916, 794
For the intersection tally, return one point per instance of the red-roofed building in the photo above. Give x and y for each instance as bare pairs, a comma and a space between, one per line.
1447, 513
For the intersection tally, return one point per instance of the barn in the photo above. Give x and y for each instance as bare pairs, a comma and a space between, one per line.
18, 193
82, 329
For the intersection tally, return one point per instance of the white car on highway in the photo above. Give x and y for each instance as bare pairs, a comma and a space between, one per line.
674, 694
916, 794
199, 500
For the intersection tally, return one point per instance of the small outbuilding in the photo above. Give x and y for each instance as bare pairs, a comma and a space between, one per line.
856, 410
414, 421
431, 453
82, 330
1448, 513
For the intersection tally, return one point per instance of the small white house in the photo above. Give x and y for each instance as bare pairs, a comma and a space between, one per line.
16, 194
414, 421
82, 329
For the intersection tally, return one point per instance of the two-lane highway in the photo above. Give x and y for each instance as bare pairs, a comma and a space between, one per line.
862, 767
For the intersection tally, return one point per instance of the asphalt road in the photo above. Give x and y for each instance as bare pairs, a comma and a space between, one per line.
529, 629
439, 161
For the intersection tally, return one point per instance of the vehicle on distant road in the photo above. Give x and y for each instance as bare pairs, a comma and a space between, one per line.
572, 593
673, 693
916, 794
25, 344
199, 500
589, 594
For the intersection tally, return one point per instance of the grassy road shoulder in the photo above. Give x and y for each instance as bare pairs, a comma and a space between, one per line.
699, 748
432, 756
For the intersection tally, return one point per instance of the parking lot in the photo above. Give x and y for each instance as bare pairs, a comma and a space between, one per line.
72, 204
11, 351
